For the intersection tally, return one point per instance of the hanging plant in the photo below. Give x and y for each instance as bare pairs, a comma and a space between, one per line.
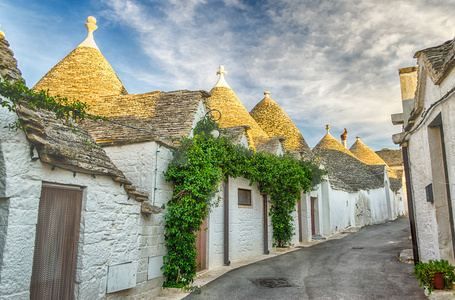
199, 165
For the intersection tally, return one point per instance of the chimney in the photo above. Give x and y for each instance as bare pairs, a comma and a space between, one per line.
343, 138
408, 82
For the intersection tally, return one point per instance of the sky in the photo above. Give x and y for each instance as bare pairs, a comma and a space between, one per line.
323, 61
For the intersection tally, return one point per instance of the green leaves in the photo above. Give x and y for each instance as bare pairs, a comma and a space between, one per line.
198, 166
63, 108
425, 273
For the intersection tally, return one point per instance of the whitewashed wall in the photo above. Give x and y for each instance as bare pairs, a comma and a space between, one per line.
340, 216
215, 231
246, 229
144, 165
109, 232
306, 217
421, 172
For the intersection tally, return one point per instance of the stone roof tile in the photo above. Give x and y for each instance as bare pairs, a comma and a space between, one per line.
438, 60
84, 74
168, 114
329, 142
391, 157
58, 145
276, 123
270, 145
8, 64
365, 154
347, 173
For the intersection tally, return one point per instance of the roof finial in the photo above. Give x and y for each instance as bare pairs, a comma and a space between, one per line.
221, 71
221, 82
358, 138
267, 93
91, 27
327, 127
2, 34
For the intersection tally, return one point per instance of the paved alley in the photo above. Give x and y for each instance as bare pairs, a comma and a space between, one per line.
363, 265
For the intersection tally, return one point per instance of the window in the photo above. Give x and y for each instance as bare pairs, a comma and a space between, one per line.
244, 197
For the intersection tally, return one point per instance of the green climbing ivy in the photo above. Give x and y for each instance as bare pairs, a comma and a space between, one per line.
19, 94
199, 165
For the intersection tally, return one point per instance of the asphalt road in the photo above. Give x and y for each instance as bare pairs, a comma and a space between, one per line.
360, 266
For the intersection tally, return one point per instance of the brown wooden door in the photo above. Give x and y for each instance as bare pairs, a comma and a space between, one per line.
201, 245
57, 236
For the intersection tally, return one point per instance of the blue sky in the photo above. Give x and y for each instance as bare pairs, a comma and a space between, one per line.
325, 62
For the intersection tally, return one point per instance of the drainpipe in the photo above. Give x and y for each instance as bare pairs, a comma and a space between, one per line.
226, 222
407, 173
156, 171
266, 225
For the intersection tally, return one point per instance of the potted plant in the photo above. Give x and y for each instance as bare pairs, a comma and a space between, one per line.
435, 274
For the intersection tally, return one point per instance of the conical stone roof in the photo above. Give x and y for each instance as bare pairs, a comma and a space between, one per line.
84, 74
369, 157
276, 123
233, 112
329, 142
365, 154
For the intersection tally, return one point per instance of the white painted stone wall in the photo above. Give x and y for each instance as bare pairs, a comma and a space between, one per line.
324, 209
340, 209
420, 166
144, 165
340, 216
379, 206
215, 231
245, 222
306, 217
109, 232
246, 235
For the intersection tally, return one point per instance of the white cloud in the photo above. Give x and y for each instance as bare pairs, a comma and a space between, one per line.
325, 62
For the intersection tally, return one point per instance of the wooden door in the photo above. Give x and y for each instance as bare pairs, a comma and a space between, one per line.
57, 236
201, 245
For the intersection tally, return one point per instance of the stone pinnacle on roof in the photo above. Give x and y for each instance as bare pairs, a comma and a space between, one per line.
221, 80
276, 123
233, 112
84, 74
331, 143
91, 27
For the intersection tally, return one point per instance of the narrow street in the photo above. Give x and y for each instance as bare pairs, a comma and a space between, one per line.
360, 266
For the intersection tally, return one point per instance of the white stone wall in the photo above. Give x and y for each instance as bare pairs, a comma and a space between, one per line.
246, 230
245, 222
144, 164
306, 217
215, 231
339, 209
340, 212
420, 167
379, 205
109, 231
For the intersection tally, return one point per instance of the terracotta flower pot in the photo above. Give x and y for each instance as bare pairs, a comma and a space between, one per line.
438, 281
